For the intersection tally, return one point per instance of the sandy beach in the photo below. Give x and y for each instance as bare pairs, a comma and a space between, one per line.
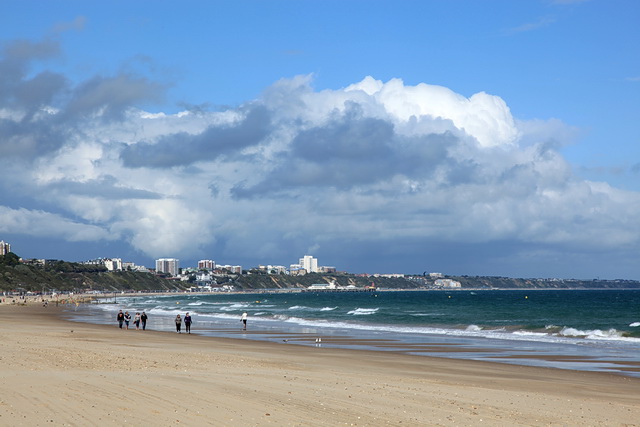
57, 372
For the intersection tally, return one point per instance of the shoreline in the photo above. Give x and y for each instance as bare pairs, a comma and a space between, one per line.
561, 356
505, 351
110, 295
89, 374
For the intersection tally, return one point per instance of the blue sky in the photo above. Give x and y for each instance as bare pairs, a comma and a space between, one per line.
467, 137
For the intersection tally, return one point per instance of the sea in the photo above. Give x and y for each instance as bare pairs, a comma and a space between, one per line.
589, 330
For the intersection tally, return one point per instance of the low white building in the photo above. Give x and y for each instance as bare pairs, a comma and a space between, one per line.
447, 283
235, 269
204, 277
321, 286
112, 264
133, 267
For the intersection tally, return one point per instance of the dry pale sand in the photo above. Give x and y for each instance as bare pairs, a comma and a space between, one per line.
56, 372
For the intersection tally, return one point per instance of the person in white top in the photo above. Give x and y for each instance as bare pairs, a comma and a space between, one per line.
243, 319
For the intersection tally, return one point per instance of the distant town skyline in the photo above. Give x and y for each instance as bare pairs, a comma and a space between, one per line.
403, 136
172, 266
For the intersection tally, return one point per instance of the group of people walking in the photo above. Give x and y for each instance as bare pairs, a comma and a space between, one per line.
139, 319
187, 323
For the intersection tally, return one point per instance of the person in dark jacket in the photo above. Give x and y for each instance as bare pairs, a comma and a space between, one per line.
187, 323
120, 318
143, 319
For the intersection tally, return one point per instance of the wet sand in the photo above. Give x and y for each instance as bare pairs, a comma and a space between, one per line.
56, 372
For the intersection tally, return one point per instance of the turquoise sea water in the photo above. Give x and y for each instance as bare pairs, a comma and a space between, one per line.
572, 329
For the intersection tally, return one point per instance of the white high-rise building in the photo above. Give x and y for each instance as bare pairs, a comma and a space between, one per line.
113, 264
5, 248
167, 265
309, 263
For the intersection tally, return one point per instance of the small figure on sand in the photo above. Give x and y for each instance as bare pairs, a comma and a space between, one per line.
243, 319
178, 323
127, 319
136, 320
120, 318
143, 319
187, 323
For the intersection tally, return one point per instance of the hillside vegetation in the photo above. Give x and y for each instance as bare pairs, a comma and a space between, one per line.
75, 277
282, 281
69, 276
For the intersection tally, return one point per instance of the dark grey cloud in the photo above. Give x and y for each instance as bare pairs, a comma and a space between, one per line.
342, 154
182, 149
350, 138
29, 139
16, 59
105, 188
351, 151
460, 172
40, 91
24, 134
111, 97
44, 112
19, 92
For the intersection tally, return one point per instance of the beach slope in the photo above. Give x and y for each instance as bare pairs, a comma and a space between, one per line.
57, 372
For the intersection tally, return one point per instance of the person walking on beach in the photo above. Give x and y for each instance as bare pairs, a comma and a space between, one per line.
243, 319
136, 320
120, 318
178, 323
187, 323
127, 319
143, 319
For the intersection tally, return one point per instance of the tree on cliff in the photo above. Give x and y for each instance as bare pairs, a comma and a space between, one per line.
9, 259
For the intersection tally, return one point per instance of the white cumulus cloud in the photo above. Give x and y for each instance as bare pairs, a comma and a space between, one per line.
340, 170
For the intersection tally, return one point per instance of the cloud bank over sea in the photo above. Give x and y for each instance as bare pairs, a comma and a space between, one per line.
376, 173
